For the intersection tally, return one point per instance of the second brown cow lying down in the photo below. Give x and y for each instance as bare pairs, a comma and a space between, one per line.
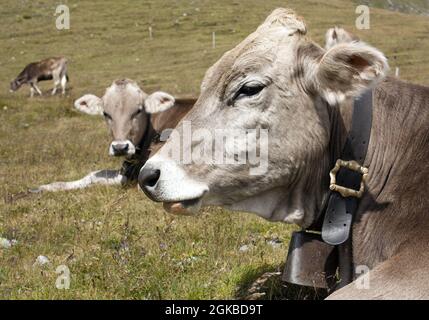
138, 123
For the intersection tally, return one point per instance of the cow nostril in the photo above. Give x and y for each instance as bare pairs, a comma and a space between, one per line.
149, 177
153, 180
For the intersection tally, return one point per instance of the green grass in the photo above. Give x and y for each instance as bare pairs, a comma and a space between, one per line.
117, 243
407, 6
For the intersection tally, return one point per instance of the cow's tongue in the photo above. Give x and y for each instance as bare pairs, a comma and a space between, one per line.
188, 207
174, 207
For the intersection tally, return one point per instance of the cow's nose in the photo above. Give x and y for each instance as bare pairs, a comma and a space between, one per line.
148, 178
120, 148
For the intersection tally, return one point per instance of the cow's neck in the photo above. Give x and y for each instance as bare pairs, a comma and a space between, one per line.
381, 226
142, 148
132, 164
317, 180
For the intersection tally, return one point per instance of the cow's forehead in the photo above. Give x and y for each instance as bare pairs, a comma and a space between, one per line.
250, 57
123, 94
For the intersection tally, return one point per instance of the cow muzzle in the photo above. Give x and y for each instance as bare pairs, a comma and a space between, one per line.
122, 148
162, 180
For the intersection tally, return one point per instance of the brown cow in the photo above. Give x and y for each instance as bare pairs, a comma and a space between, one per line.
139, 124
299, 97
48, 69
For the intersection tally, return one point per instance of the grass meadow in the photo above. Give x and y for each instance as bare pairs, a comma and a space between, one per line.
116, 243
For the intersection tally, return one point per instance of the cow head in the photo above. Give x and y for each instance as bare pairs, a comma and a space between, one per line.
283, 85
126, 109
16, 84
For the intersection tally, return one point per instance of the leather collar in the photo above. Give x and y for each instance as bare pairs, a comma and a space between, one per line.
310, 253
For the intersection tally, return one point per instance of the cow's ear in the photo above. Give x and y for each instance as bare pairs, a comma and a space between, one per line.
89, 104
338, 35
158, 102
348, 69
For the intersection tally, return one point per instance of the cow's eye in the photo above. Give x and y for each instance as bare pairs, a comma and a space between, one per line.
135, 114
249, 90
107, 116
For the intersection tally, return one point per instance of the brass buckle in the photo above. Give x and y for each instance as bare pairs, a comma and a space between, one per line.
351, 165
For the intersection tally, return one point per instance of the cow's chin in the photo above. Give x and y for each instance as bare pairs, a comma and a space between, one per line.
266, 205
276, 205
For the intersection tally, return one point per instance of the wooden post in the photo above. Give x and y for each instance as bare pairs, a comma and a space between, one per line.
150, 33
397, 68
214, 40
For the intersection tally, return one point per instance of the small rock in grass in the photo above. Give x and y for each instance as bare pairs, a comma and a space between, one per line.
41, 261
5, 243
275, 242
244, 248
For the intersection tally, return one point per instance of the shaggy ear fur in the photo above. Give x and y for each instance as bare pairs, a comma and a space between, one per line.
158, 102
348, 69
89, 104
338, 35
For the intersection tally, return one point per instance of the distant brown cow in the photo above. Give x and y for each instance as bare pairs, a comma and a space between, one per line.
139, 124
49, 69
